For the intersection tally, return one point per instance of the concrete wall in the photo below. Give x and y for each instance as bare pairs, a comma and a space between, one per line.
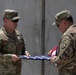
30, 26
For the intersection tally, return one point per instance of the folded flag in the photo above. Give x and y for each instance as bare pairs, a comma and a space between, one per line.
35, 57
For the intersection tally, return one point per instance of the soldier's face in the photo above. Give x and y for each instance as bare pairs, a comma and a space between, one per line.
62, 26
12, 24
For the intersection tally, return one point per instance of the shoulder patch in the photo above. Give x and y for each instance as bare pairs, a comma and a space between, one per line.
65, 43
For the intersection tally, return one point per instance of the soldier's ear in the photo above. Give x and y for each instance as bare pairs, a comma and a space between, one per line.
65, 22
5, 20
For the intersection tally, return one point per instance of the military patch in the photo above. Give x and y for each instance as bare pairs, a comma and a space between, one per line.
63, 46
65, 43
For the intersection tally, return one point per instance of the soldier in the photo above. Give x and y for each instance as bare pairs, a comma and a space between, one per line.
11, 44
65, 59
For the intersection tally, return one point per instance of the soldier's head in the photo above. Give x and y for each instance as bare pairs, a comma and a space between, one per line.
10, 18
63, 20
11, 15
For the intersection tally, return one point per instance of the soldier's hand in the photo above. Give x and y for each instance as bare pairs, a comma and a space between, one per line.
27, 53
49, 53
53, 58
15, 58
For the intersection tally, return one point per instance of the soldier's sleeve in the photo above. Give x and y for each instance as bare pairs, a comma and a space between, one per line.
65, 51
24, 46
2, 55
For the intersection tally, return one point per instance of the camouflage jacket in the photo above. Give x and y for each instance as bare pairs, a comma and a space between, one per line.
66, 60
10, 44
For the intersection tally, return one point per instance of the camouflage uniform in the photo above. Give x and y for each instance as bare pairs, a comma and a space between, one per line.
67, 52
10, 44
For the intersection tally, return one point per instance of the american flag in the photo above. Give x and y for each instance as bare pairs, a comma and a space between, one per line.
53, 51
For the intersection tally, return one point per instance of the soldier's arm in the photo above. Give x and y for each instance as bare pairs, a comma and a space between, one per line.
65, 51
4, 57
24, 51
